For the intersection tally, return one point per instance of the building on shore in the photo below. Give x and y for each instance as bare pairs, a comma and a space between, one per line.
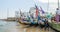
11, 18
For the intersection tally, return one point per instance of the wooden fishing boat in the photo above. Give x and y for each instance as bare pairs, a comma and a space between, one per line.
24, 21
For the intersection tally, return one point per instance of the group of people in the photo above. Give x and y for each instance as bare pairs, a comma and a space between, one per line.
41, 22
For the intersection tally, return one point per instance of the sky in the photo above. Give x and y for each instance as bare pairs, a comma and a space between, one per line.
8, 7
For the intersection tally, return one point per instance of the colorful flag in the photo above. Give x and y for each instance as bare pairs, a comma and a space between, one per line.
36, 10
42, 10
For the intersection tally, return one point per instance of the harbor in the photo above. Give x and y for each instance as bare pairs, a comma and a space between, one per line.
29, 15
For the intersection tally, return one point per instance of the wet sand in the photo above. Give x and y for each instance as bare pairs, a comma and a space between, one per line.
17, 27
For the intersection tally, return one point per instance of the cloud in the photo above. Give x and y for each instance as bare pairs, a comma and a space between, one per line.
52, 5
46, 1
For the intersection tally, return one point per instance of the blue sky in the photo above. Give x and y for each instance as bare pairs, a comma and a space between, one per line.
14, 5
24, 5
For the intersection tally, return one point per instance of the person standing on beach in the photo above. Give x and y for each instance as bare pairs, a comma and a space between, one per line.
46, 24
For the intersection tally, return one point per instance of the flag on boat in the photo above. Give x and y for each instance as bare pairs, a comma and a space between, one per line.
42, 10
36, 10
